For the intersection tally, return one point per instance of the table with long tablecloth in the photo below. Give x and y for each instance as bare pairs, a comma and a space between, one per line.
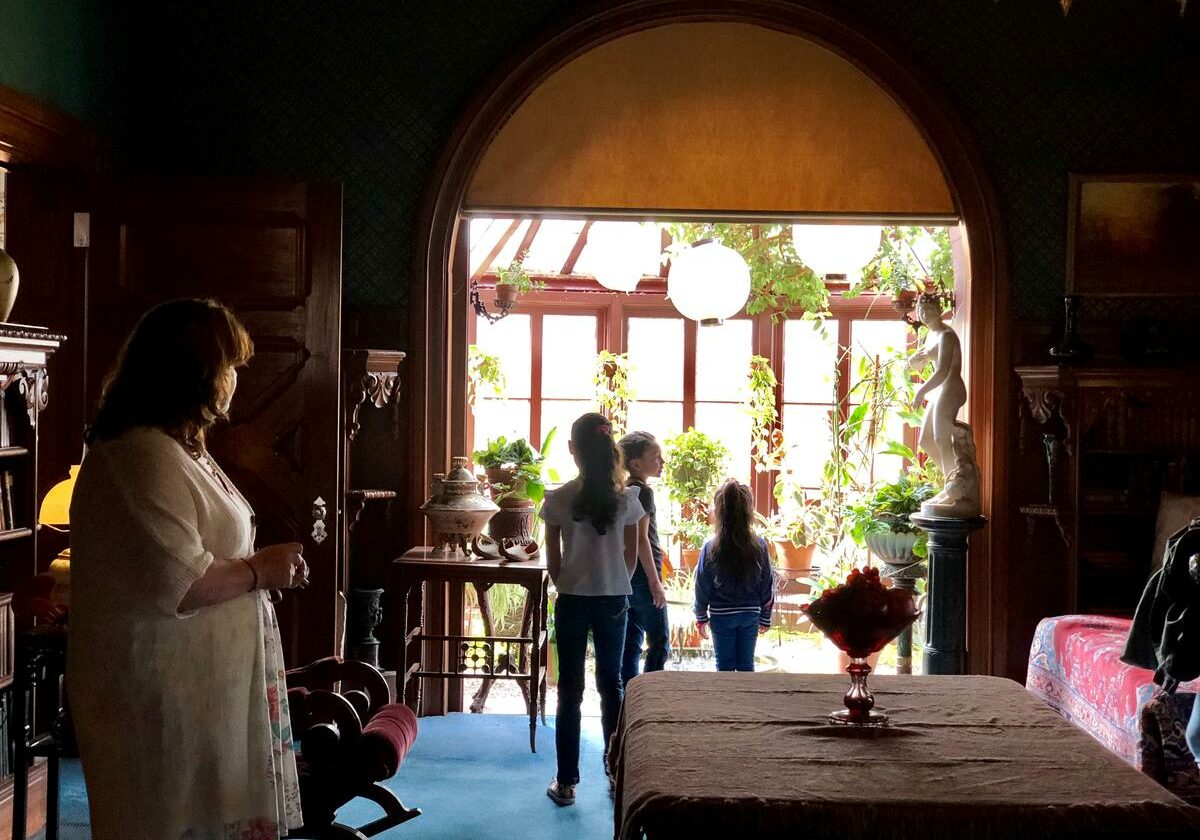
727, 755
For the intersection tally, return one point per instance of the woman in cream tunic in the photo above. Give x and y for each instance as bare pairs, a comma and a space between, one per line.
174, 665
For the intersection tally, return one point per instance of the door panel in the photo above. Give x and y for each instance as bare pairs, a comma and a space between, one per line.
272, 252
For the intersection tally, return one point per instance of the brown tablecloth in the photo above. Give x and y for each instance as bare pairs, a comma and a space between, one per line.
731, 755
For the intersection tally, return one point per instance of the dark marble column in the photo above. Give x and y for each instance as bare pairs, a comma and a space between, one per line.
946, 595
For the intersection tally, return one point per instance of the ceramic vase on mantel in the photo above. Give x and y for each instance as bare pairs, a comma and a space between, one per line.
10, 281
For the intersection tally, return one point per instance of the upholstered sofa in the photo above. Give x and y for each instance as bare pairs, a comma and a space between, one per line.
1075, 667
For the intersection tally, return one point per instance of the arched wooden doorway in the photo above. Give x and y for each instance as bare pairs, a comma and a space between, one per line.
439, 365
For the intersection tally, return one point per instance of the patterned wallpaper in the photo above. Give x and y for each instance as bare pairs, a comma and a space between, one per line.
365, 92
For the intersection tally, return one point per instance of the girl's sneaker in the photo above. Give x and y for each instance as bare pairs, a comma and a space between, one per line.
561, 794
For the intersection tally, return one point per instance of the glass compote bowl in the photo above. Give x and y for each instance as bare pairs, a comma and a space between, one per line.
860, 616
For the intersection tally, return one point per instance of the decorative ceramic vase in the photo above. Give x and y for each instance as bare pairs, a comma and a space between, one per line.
514, 521
456, 510
366, 612
1069, 348
10, 281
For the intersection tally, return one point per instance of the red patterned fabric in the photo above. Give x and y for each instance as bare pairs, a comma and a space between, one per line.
1075, 667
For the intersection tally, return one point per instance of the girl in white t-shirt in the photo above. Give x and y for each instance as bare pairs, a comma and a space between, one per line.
595, 527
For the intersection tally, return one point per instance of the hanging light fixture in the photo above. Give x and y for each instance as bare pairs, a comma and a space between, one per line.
708, 283
616, 254
836, 249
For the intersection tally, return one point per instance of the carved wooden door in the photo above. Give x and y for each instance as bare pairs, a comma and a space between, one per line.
273, 254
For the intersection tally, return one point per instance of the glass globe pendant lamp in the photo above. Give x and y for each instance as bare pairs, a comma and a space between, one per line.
617, 263
708, 282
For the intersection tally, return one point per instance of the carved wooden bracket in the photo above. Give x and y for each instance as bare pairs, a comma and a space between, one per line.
34, 386
371, 375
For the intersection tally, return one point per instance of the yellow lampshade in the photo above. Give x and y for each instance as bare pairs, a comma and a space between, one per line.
56, 506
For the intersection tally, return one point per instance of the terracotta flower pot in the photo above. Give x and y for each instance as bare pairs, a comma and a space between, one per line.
689, 558
506, 296
792, 561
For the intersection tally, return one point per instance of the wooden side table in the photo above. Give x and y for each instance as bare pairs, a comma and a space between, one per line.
521, 658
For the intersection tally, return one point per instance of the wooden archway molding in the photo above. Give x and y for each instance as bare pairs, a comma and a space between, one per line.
439, 366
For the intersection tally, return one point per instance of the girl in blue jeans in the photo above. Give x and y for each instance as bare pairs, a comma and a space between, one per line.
735, 586
595, 528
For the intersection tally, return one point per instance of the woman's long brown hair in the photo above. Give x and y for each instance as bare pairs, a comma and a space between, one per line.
172, 372
736, 547
600, 471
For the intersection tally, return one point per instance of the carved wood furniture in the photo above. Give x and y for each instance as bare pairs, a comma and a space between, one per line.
1110, 440
371, 377
352, 737
522, 658
25, 352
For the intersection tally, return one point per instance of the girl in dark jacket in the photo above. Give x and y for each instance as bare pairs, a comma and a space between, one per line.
735, 586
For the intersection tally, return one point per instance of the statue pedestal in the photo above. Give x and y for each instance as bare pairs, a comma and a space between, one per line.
946, 600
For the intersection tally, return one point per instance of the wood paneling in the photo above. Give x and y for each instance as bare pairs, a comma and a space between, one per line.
272, 252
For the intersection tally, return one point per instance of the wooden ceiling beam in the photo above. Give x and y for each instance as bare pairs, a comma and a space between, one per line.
577, 248
486, 265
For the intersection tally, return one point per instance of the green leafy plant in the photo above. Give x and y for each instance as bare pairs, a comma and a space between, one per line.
514, 274
695, 465
889, 506
484, 373
780, 282
525, 463
765, 437
613, 393
799, 520
897, 269
692, 533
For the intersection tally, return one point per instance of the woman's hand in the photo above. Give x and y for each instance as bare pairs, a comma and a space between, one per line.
280, 566
702, 629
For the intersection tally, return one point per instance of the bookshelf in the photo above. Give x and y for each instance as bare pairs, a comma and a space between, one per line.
1112, 439
25, 353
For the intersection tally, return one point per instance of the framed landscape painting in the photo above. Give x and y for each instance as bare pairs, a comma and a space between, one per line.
1133, 235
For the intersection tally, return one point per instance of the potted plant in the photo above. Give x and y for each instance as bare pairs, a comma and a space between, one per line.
881, 520
613, 393
899, 270
694, 466
514, 477
484, 373
680, 589
513, 280
796, 530
691, 534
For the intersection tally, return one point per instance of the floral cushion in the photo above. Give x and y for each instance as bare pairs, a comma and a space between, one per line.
1075, 667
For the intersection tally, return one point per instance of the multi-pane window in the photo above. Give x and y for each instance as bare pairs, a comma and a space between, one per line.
685, 375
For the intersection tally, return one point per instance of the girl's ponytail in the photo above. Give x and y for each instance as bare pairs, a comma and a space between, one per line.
600, 471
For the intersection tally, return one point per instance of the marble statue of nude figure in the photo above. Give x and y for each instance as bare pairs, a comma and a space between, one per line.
947, 440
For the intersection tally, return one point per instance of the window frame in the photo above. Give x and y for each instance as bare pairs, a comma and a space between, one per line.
580, 296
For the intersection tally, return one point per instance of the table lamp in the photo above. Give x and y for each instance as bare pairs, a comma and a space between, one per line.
55, 513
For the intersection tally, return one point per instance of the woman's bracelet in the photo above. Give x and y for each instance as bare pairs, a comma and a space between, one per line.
254, 572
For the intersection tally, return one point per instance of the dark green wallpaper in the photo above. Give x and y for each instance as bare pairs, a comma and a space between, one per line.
365, 92
68, 53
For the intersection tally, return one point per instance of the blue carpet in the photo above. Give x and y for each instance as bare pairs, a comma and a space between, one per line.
473, 778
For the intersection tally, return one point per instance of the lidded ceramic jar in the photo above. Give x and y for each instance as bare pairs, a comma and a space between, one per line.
456, 510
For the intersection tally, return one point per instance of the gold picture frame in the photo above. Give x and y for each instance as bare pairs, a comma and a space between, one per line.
1133, 235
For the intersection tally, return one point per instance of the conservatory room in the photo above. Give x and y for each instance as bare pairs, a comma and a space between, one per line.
800, 386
